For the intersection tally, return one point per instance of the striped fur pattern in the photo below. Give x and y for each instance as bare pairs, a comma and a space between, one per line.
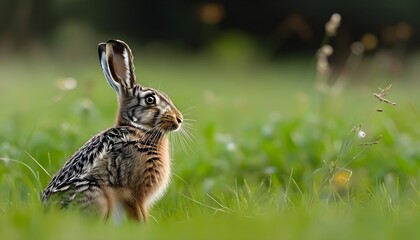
127, 165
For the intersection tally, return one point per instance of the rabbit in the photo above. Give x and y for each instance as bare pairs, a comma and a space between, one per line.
128, 165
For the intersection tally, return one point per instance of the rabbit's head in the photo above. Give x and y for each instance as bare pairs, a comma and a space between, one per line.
140, 107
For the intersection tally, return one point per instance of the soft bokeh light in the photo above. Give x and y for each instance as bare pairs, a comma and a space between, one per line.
211, 13
67, 84
403, 31
295, 24
369, 41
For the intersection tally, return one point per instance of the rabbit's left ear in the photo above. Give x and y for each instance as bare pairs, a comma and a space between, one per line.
117, 64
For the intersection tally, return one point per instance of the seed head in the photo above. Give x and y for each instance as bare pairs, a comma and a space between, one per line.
327, 50
357, 48
333, 24
336, 18
322, 65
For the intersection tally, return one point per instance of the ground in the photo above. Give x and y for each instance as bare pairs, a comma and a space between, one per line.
270, 155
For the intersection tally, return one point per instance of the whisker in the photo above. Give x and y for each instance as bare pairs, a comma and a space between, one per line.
187, 111
189, 120
151, 136
184, 137
189, 127
187, 134
178, 137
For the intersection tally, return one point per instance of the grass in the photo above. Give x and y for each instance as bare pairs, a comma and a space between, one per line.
269, 157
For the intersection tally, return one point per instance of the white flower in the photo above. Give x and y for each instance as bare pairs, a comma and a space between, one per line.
67, 84
361, 134
230, 146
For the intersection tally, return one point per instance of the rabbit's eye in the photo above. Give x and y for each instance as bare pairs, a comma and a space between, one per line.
150, 100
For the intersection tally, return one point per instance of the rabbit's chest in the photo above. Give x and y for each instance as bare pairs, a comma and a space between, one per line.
151, 171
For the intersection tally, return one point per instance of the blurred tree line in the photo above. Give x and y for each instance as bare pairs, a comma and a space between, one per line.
281, 26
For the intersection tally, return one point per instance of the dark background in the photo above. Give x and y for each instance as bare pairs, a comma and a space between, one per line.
278, 27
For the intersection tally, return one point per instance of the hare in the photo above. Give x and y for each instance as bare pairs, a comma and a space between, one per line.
129, 164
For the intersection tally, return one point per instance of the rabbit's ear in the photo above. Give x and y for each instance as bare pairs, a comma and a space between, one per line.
117, 64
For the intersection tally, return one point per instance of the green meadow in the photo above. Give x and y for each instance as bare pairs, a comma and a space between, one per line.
269, 154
